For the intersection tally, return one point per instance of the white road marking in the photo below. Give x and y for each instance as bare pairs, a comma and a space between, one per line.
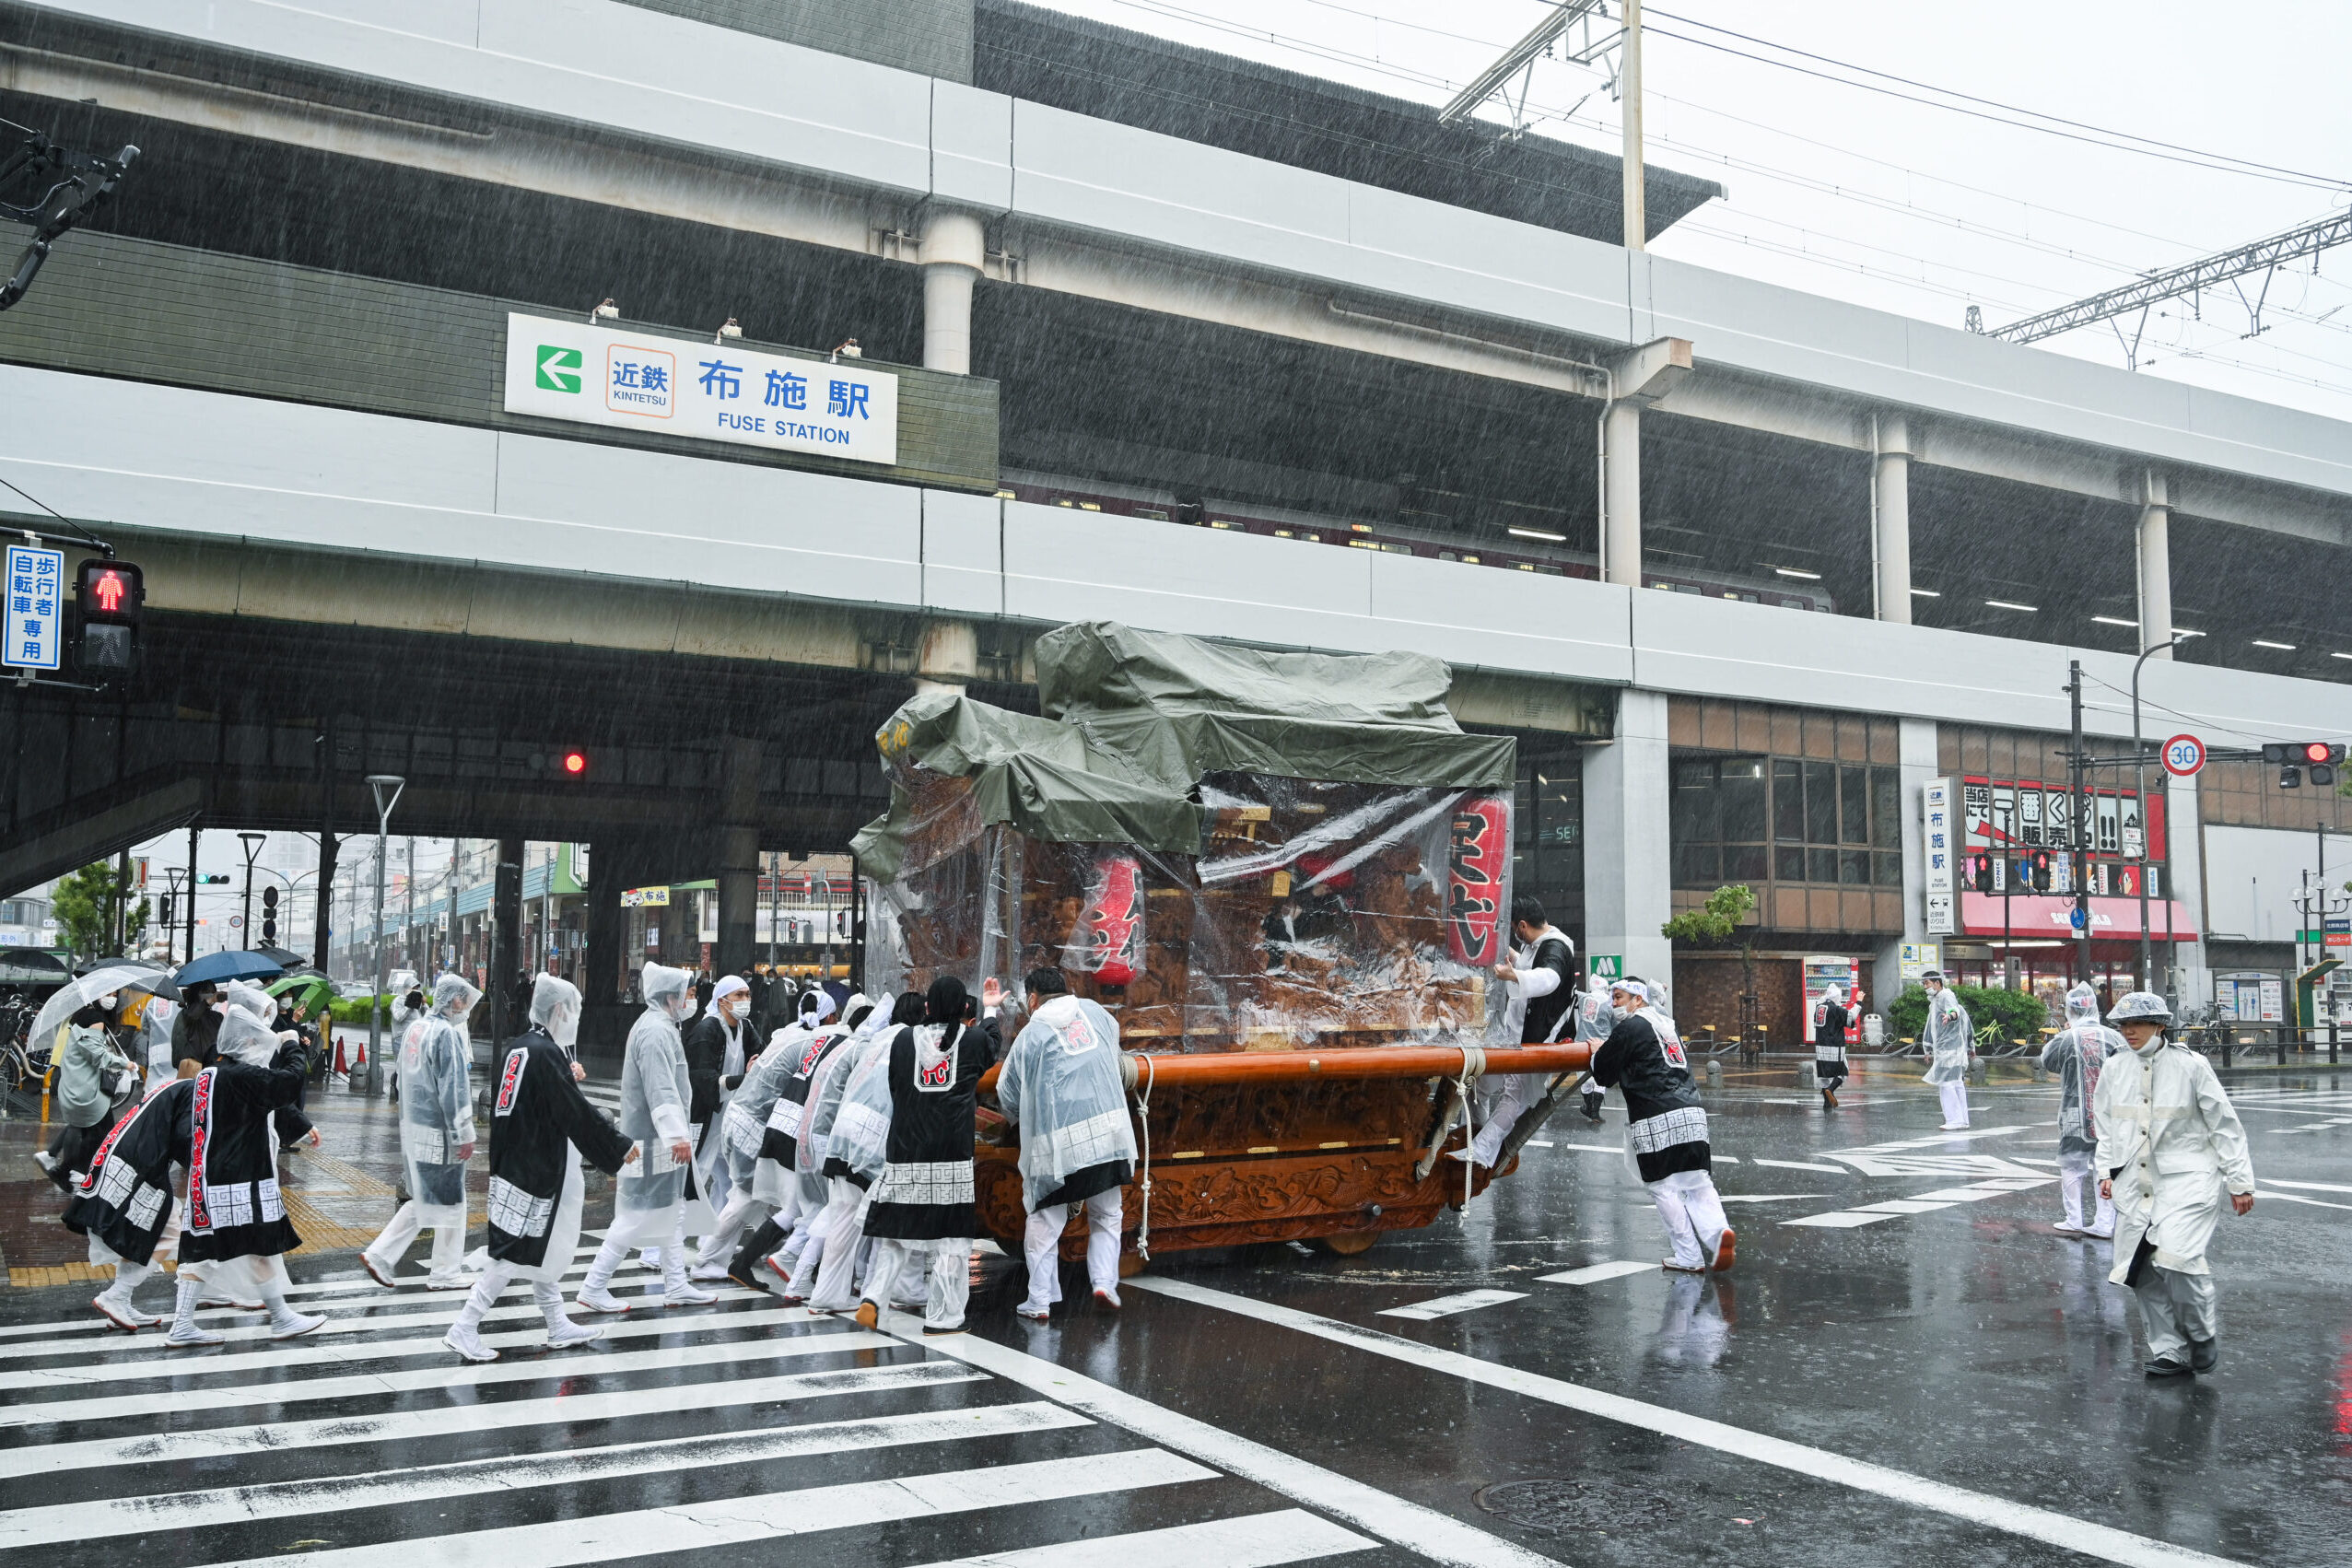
558, 1364
1800, 1166
1596, 1147
2308, 1186
1772, 1196
2052, 1528
1900, 1206
1593, 1274
1445, 1306
1439, 1536
1533, 1143
425, 1483
307, 1352
272, 1437
2293, 1198
1252, 1540
737, 1521
1840, 1220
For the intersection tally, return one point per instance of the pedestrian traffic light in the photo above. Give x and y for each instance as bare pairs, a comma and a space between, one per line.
2041, 880
269, 914
110, 596
1984, 870
165, 918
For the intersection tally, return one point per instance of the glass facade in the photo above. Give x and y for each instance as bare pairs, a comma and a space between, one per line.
1754, 819
1549, 857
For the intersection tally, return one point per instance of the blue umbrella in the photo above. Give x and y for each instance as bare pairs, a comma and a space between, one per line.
215, 967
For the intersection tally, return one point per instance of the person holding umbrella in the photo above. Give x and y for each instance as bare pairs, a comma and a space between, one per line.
88, 1076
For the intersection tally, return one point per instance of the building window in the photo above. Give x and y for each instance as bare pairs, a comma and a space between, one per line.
1835, 823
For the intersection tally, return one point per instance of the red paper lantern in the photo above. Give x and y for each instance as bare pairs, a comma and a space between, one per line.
1477, 860
1110, 932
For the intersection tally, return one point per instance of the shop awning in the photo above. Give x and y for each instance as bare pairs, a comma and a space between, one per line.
2049, 915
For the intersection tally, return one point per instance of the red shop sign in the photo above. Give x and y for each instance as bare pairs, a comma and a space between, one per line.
1479, 845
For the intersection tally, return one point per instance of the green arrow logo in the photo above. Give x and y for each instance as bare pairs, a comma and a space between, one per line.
558, 368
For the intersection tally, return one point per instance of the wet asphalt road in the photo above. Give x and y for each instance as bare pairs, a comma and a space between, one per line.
1263, 1406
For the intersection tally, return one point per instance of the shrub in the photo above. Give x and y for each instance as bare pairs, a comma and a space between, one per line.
2019, 1016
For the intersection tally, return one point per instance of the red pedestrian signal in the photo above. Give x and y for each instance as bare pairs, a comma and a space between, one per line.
111, 595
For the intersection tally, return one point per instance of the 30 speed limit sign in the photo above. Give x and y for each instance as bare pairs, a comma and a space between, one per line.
2183, 755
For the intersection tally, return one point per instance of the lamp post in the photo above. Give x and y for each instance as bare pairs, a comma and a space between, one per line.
253, 842
386, 788
2139, 793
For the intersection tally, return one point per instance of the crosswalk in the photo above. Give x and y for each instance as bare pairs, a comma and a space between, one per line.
743, 1425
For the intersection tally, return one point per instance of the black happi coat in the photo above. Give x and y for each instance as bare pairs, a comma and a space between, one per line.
1553, 952
1835, 1021
704, 1041
925, 1192
234, 1210
781, 1141
536, 1110
1661, 1098
125, 1199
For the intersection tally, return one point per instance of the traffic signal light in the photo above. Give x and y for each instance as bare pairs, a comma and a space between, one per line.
2041, 881
112, 597
570, 762
1983, 869
269, 914
2293, 758
164, 920
216, 879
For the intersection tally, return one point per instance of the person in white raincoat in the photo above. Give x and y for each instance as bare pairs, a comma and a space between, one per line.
2168, 1143
856, 1147
1948, 1035
436, 1139
760, 1192
2076, 1054
825, 1198
1061, 1085
650, 1198
794, 1139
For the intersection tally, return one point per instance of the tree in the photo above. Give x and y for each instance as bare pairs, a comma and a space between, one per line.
91, 904
1713, 925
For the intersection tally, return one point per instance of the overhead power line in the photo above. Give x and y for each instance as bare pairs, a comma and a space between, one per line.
2212, 271
1518, 57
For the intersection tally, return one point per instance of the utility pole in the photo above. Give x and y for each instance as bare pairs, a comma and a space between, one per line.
2081, 824
377, 786
1628, 103
192, 831
252, 842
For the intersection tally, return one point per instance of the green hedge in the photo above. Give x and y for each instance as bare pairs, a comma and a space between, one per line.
2019, 1014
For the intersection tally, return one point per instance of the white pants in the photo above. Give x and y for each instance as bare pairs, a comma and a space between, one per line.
224, 1275
1955, 1095
744, 1212
2077, 1180
950, 1261
670, 1258
1694, 1216
496, 1277
449, 1245
827, 1276
1041, 1246
810, 1196
1520, 1090
2175, 1309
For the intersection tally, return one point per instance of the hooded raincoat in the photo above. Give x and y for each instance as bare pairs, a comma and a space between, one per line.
541, 1127
1947, 1035
656, 1096
745, 1122
2075, 1055
436, 1102
1060, 1083
234, 1207
2171, 1141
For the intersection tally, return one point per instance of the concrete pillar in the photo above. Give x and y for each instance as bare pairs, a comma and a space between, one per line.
1621, 492
506, 940
949, 656
1891, 498
955, 249
600, 978
739, 766
2156, 564
1915, 756
1628, 870
324, 924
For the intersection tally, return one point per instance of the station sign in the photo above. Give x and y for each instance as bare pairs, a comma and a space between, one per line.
36, 603
604, 374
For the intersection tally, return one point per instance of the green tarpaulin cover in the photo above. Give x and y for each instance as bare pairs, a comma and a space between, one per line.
1133, 720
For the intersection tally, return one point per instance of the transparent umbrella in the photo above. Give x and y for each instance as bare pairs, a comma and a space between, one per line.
117, 979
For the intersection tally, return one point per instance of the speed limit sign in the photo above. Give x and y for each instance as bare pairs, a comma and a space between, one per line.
2183, 755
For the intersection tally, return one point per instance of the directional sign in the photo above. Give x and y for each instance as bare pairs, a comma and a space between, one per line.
35, 635
2183, 755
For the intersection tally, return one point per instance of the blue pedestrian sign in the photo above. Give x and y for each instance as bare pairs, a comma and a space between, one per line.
35, 639
2074, 918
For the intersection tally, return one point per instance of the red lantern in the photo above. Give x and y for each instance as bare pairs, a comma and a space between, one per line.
1477, 860
1110, 931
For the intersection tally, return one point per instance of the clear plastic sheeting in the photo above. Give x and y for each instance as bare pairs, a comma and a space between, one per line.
1257, 909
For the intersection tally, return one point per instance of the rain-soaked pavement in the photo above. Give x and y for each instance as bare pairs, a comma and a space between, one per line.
1942, 1381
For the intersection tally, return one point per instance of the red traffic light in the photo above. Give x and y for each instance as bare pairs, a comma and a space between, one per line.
111, 590
2315, 751
574, 763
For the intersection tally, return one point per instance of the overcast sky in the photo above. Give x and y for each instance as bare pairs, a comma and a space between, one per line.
1922, 211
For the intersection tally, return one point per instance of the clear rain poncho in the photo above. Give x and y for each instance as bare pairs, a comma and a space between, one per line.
833, 1075
1947, 1035
1060, 1083
859, 1137
655, 1098
745, 1122
436, 1101
2076, 1054
555, 1007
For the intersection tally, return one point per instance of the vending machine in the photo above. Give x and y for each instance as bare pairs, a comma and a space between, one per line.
1821, 972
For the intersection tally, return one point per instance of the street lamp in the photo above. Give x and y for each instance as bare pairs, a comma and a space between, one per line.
2139, 790
253, 842
386, 787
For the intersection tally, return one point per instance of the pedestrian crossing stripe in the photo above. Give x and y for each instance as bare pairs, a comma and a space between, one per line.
1254, 1540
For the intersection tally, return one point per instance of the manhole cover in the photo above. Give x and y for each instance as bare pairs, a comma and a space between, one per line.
1561, 1505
